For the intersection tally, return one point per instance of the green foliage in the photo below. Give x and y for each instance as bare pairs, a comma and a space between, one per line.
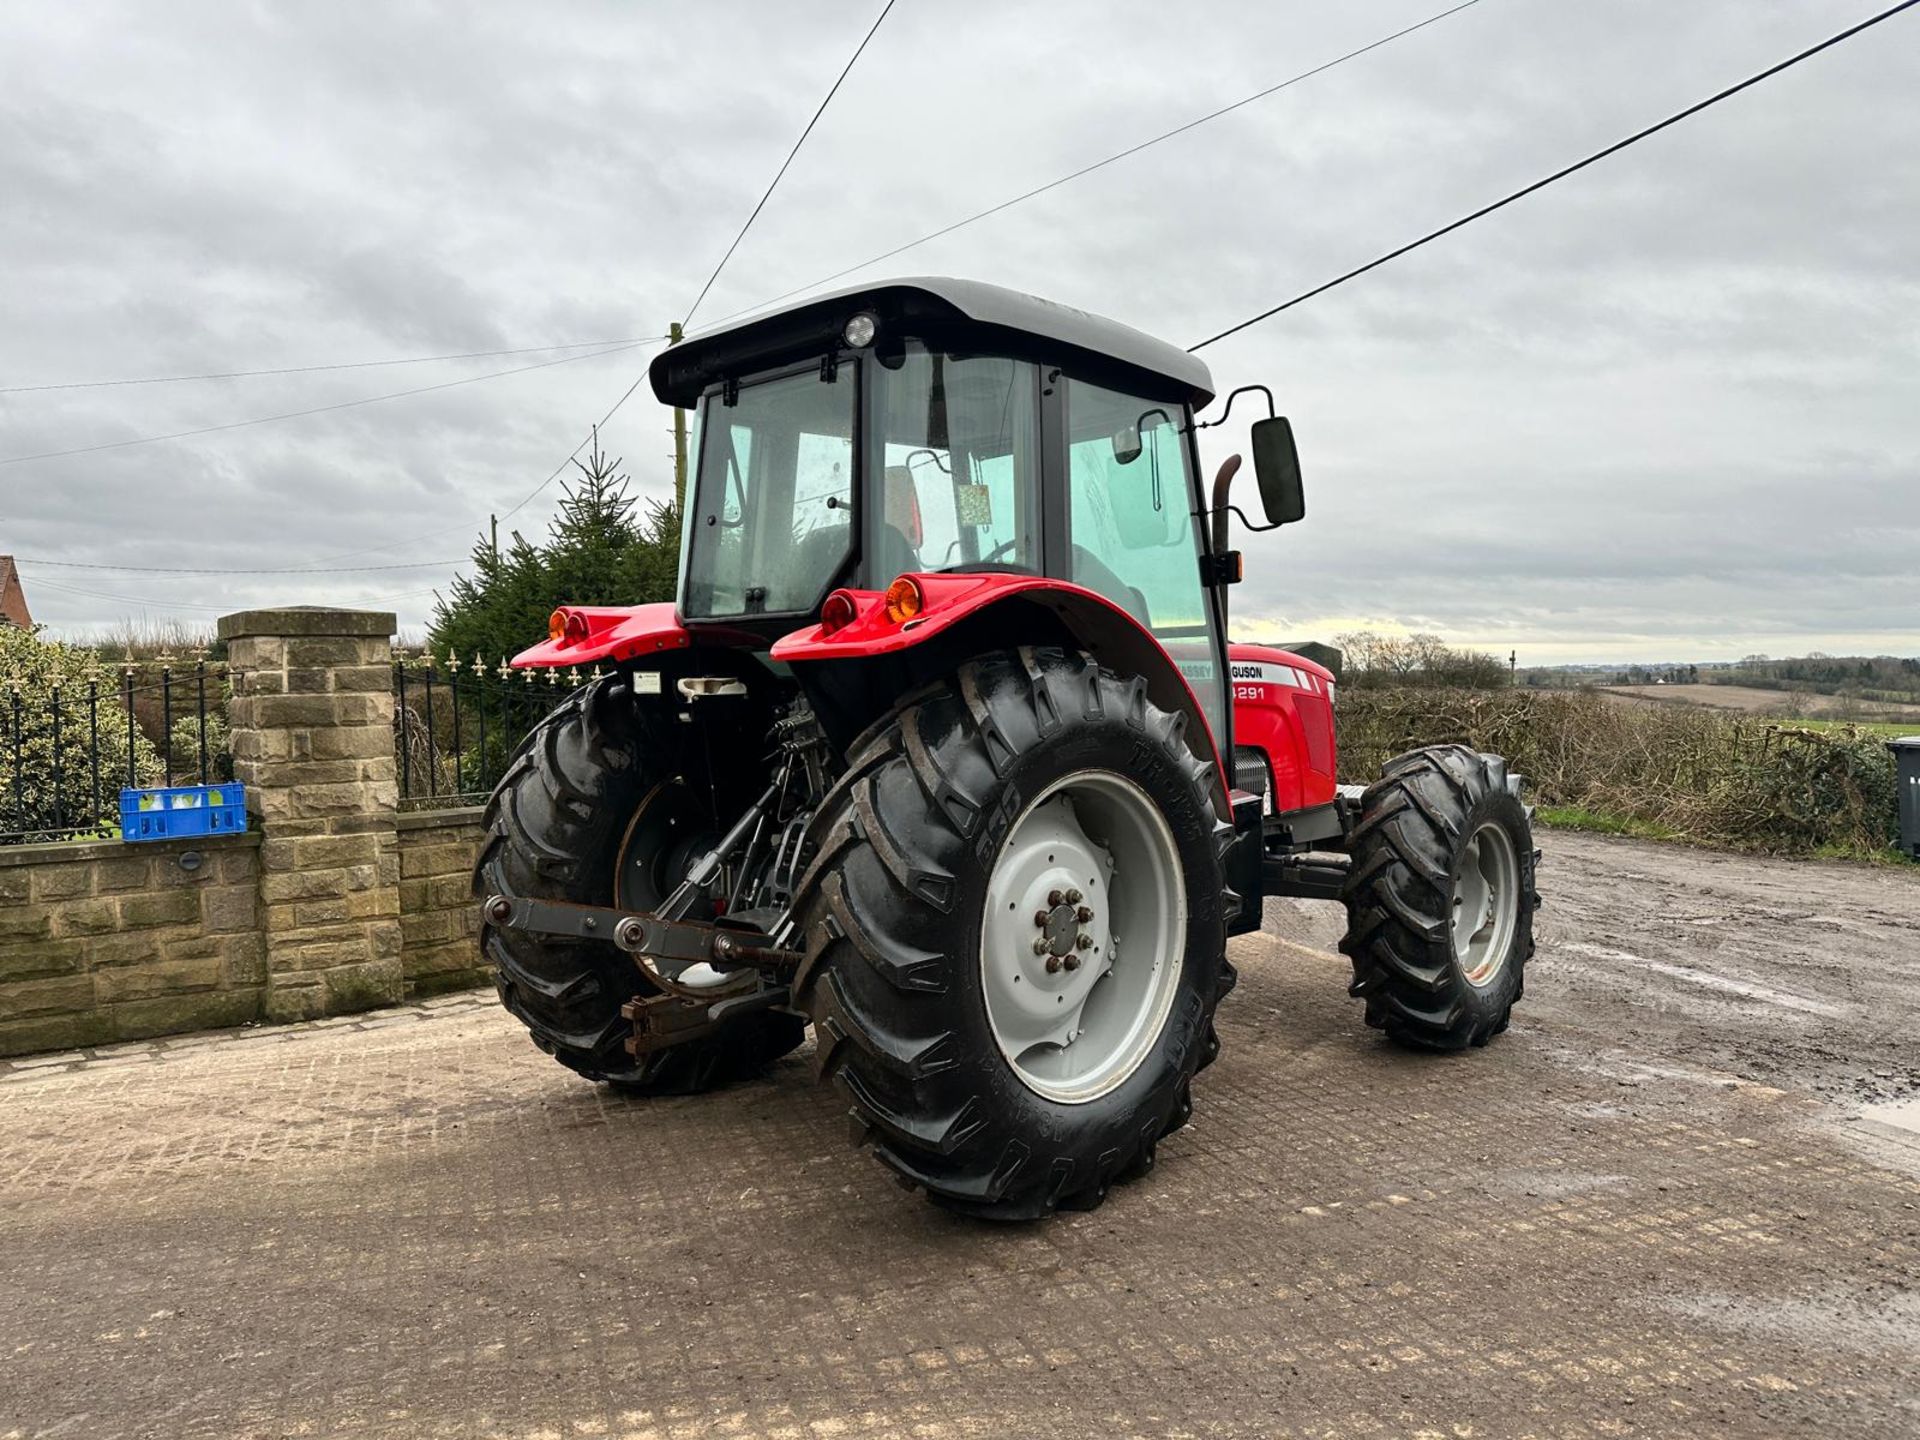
1697, 774
183, 744
54, 785
599, 552
1873, 677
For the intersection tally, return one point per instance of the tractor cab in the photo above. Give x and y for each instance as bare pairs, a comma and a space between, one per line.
946, 428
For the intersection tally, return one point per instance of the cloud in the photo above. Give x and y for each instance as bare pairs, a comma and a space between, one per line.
1662, 407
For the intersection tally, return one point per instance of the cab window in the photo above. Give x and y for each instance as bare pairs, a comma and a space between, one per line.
768, 522
959, 465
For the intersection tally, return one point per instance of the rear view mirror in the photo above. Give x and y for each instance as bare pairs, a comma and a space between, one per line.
1126, 445
1276, 468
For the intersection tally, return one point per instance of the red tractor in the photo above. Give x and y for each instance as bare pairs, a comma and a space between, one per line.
944, 752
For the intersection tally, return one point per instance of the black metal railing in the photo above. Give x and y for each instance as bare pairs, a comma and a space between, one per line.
68, 746
456, 725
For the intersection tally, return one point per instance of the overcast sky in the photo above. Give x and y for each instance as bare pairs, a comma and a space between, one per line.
1669, 408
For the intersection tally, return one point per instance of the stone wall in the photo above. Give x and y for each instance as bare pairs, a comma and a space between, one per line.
439, 921
331, 902
105, 941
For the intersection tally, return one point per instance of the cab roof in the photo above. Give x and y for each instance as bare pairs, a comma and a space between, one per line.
927, 306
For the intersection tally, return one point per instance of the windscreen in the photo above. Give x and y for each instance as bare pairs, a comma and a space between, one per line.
770, 519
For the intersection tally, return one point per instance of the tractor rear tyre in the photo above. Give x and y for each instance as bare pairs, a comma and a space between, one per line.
1440, 898
1015, 933
586, 798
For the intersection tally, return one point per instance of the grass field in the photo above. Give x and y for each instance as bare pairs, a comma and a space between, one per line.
1772, 704
1888, 728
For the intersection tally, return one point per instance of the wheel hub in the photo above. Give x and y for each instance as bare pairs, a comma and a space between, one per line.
1044, 957
1059, 928
1485, 904
1069, 1012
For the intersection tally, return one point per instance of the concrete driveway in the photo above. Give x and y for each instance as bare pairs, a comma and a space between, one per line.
1677, 1198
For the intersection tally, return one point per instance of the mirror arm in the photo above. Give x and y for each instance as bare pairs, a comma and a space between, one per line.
1272, 408
1220, 523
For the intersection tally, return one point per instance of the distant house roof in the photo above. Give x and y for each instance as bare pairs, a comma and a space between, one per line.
13, 600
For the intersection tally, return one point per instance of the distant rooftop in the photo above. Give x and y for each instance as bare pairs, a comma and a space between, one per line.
13, 600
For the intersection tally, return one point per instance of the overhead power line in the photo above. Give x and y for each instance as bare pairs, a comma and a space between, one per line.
157, 603
140, 600
1114, 158
845, 70
524, 500
318, 409
555, 473
250, 570
316, 369
1562, 174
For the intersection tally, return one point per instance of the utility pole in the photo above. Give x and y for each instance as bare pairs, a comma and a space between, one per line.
674, 333
1513, 668
493, 537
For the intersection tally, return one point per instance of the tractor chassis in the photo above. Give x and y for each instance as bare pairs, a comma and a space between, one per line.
1303, 854
1300, 856
680, 943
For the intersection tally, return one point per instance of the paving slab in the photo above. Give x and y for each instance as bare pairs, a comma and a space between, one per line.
1652, 1208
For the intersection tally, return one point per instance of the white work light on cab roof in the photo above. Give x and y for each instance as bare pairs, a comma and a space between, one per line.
860, 331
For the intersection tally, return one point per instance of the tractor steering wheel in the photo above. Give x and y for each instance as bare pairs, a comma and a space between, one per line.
988, 565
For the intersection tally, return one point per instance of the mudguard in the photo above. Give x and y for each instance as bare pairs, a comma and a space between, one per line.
1096, 624
623, 632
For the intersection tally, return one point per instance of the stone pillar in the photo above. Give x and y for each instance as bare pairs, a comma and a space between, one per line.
312, 728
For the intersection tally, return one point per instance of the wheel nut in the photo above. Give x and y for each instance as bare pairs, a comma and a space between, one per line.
1053, 964
1083, 914
1072, 962
1055, 898
1040, 918
1074, 897
1040, 945
1083, 941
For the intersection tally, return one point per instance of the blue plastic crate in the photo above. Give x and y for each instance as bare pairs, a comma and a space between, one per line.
179, 811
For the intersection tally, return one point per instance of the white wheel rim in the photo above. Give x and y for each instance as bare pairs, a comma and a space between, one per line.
1486, 904
1083, 936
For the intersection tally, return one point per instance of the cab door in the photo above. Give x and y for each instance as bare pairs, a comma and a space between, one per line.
1129, 531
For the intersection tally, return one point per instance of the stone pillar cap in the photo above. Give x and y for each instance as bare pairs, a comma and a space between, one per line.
307, 620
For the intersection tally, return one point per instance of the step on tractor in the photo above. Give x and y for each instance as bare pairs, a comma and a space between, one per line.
943, 751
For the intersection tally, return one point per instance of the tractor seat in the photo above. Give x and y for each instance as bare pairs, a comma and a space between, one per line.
822, 553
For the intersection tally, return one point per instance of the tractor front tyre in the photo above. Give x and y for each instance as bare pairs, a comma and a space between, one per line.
1440, 898
1015, 934
585, 812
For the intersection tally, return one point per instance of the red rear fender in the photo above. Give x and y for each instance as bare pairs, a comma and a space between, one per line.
620, 632
977, 601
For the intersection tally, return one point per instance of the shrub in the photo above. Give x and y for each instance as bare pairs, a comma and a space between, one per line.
1703, 774
42, 788
183, 744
